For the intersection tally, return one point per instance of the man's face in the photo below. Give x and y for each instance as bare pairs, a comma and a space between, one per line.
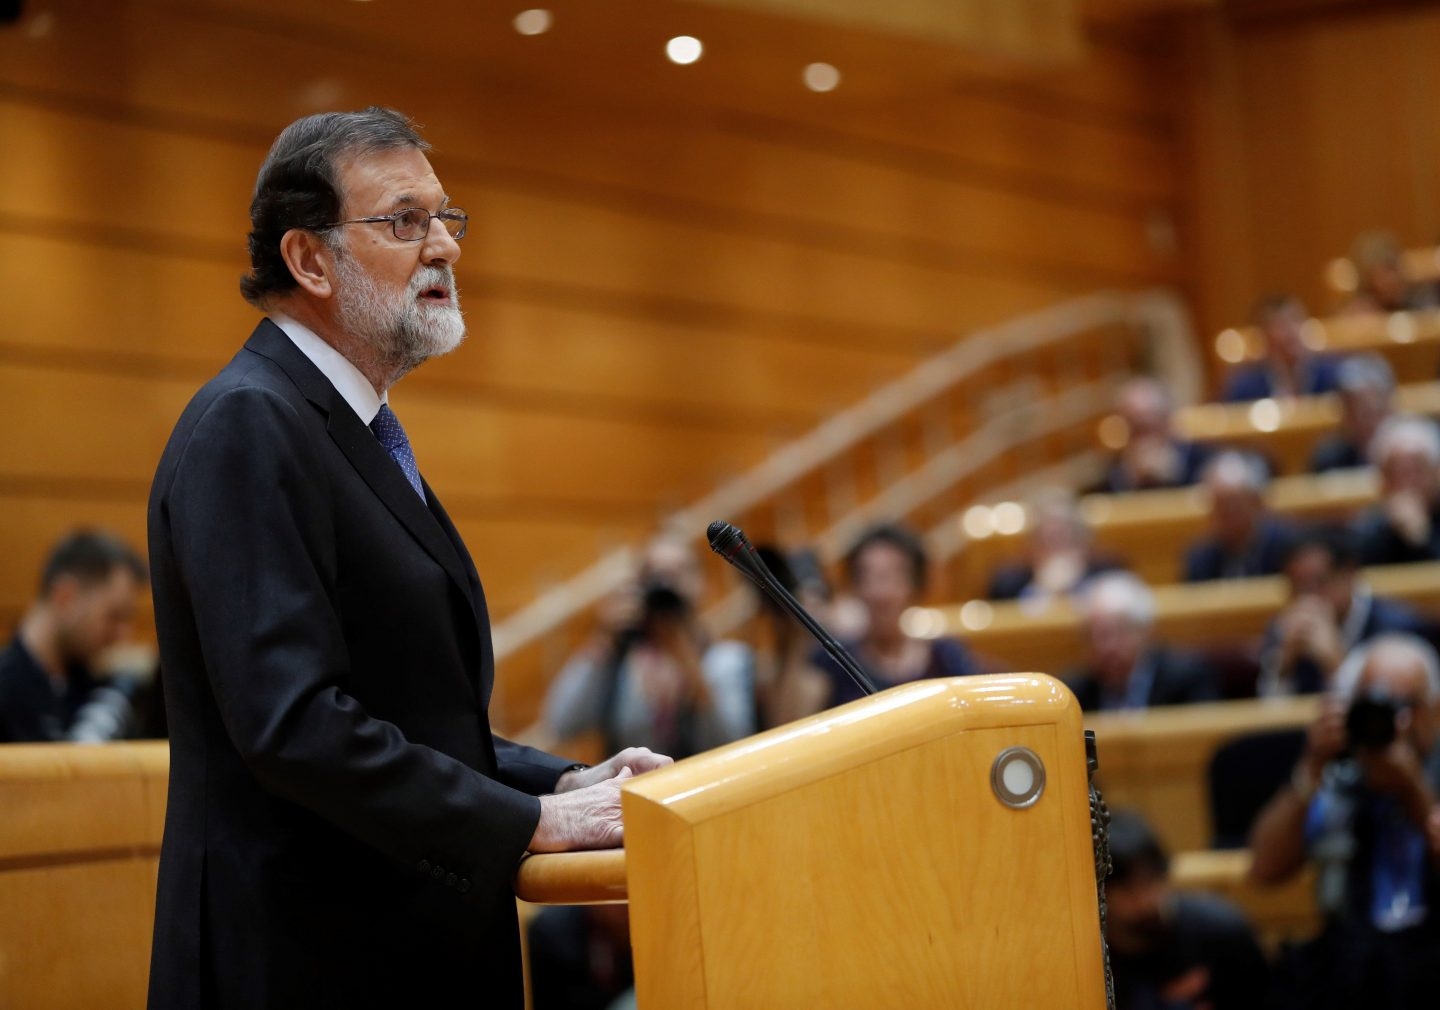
1116, 643
398, 297
1234, 513
884, 582
1136, 911
1312, 573
1144, 410
93, 616
1284, 334
1398, 675
1408, 468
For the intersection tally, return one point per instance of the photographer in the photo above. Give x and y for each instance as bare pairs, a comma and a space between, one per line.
649, 677
1362, 807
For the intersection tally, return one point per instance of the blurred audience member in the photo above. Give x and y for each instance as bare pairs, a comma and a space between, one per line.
1171, 950
1125, 667
1362, 808
1405, 525
49, 690
1367, 394
1152, 456
1331, 610
1245, 539
888, 571
1289, 367
580, 957
1381, 285
788, 684
650, 677
1061, 557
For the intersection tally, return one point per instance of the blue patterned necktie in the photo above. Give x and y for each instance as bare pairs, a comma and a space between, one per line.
386, 427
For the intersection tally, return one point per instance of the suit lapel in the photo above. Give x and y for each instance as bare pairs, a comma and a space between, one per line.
363, 450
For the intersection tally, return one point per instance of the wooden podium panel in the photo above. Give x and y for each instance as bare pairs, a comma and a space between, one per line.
861, 858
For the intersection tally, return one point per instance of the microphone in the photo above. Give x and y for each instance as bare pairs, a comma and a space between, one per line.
730, 543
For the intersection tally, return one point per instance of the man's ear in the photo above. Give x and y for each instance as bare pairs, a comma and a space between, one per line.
311, 261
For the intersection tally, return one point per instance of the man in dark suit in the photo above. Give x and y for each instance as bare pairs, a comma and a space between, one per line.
1125, 667
1403, 527
343, 827
1245, 539
1290, 368
1151, 456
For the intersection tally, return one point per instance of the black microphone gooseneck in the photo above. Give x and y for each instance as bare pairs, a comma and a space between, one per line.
728, 542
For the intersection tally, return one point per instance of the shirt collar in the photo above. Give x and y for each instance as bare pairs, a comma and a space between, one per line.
348, 380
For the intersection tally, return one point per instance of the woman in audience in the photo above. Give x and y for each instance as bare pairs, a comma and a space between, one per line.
1367, 394
1405, 525
888, 570
1061, 558
1289, 368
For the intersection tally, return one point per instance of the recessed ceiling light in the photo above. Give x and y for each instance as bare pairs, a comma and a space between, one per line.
536, 21
684, 49
821, 77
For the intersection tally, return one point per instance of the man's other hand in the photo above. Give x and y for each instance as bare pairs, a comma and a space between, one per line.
637, 760
586, 818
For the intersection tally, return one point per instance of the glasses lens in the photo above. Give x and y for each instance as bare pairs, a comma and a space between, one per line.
455, 221
412, 224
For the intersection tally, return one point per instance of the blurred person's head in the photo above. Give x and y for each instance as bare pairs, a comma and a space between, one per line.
1056, 525
888, 570
1281, 320
1137, 890
1378, 270
1406, 451
1235, 484
1118, 618
1366, 385
671, 562
1401, 671
1323, 563
89, 591
1144, 404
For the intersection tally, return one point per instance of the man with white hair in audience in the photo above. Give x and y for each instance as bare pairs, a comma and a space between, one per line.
1362, 807
1366, 386
1405, 525
1125, 667
1245, 539
1152, 456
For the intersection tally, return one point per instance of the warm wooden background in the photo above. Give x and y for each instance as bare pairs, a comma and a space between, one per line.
672, 269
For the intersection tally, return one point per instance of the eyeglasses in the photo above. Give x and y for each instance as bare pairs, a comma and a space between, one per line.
413, 223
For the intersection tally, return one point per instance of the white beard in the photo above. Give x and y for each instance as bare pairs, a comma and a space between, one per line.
400, 333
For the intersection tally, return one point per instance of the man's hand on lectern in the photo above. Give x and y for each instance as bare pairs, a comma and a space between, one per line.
584, 811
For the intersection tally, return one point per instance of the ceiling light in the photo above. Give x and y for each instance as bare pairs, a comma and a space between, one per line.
821, 77
684, 49
536, 21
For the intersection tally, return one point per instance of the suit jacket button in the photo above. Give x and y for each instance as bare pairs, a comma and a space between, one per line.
450, 880
423, 866
437, 873
464, 885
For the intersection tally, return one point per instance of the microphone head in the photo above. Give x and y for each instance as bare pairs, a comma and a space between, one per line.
725, 538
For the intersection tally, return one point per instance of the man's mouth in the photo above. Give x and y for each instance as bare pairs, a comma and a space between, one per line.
436, 294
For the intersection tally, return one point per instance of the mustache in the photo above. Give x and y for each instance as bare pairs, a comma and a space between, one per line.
428, 277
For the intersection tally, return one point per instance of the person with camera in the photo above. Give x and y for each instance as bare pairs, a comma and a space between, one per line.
650, 676
1362, 808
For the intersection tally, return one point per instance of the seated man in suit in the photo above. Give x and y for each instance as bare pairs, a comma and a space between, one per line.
1152, 456
1366, 385
1061, 557
1170, 949
1245, 539
1289, 368
1125, 667
89, 590
1381, 285
1331, 610
343, 825
1404, 526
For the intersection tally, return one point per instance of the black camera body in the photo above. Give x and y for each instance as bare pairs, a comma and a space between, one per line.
1370, 723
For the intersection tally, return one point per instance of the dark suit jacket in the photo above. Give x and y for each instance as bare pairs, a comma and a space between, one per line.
342, 827
1178, 678
1207, 560
1381, 545
1193, 457
31, 710
1385, 616
1252, 381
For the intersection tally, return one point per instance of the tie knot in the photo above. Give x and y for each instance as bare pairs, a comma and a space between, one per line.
386, 427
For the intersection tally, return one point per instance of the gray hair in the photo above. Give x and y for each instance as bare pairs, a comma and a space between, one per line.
1347, 676
1365, 371
1123, 593
298, 185
1233, 468
1406, 431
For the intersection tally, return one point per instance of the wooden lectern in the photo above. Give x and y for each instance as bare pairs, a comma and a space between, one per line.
930, 846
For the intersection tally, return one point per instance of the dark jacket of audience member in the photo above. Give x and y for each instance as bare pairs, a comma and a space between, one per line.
948, 658
1256, 382
1170, 950
33, 707
1208, 560
1367, 393
1404, 526
1162, 676
1190, 459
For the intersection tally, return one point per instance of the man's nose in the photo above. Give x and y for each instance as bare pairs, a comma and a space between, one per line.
439, 245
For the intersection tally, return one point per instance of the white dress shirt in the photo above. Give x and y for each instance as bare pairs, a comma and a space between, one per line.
348, 380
